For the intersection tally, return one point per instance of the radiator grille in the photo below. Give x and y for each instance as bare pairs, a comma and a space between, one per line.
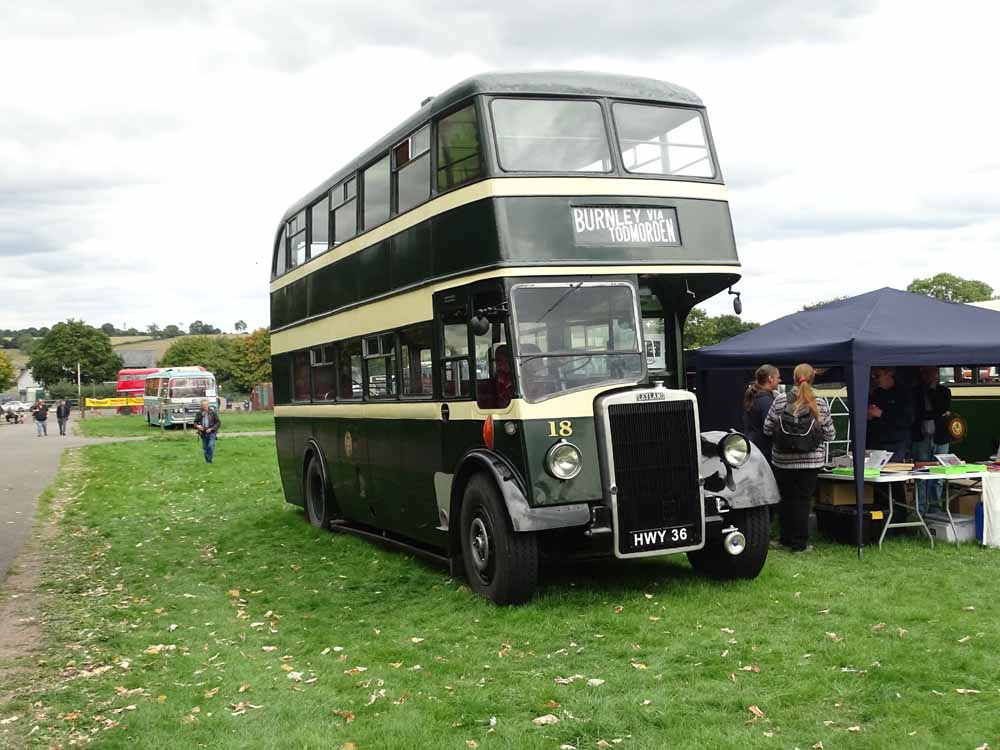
656, 460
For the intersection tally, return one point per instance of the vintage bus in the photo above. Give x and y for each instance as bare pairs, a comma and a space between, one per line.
132, 384
173, 395
476, 335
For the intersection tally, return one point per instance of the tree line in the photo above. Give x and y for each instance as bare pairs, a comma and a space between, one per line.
239, 363
24, 338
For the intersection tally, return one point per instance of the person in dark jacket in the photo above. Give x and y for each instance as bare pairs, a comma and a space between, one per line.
890, 414
207, 423
932, 407
62, 415
757, 402
41, 414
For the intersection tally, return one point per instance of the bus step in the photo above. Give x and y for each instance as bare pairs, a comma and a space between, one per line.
382, 538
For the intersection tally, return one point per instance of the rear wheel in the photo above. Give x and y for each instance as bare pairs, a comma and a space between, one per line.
713, 560
319, 508
500, 564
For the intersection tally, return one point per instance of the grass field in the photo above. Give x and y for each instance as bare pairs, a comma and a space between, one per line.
192, 608
118, 425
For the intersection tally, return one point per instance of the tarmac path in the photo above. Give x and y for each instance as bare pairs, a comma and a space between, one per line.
27, 466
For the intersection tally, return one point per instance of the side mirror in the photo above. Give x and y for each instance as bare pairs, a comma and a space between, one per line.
480, 325
737, 302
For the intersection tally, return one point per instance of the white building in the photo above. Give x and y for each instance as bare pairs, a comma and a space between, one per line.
26, 385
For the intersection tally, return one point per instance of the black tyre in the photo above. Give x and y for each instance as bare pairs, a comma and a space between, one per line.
713, 560
500, 564
319, 506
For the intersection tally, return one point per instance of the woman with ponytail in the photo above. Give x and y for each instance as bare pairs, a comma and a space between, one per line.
757, 403
800, 423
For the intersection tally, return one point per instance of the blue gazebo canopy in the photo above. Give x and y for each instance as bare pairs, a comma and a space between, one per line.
885, 327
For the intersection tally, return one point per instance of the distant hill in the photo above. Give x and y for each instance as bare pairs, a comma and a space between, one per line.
157, 346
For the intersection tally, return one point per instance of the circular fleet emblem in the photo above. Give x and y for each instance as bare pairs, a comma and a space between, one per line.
348, 444
957, 428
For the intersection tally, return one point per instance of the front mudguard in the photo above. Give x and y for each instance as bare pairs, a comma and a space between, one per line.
749, 486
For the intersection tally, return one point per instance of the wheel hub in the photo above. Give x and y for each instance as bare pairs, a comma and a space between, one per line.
479, 543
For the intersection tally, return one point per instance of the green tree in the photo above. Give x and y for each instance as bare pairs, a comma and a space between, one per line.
172, 331
822, 303
153, 330
7, 374
25, 342
701, 329
212, 353
952, 288
250, 360
56, 355
202, 329
109, 329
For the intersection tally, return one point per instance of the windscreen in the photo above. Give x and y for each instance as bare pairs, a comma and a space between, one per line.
663, 140
549, 135
192, 387
575, 335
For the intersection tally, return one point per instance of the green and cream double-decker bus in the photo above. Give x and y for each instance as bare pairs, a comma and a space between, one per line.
173, 395
476, 335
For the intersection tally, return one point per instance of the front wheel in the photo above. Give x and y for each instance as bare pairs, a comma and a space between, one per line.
500, 563
713, 560
319, 508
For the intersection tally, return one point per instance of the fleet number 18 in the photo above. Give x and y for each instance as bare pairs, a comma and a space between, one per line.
563, 428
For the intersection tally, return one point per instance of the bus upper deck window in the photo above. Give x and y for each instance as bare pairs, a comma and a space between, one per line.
548, 135
376, 193
319, 224
412, 162
663, 140
458, 156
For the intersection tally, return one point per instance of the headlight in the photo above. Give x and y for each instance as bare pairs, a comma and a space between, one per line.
563, 460
734, 449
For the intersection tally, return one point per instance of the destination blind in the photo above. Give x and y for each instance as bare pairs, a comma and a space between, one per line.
628, 226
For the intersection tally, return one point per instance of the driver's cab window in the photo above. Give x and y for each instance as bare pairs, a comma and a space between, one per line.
657, 327
494, 365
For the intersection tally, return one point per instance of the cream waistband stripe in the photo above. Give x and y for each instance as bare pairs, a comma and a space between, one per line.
510, 187
577, 405
416, 306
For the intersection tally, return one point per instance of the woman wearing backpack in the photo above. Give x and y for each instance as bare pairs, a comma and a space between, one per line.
800, 423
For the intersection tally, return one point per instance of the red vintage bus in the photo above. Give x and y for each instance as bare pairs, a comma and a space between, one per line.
132, 384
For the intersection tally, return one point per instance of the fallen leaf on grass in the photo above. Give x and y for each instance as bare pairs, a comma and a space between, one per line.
639, 665
542, 721
349, 746
750, 668
823, 612
211, 693
244, 687
355, 671
756, 711
377, 695
235, 593
347, 716
567, 747
595, 682
730, 631
879, 626
552, 704
471, 743
818, 745
937, 692
855, 728
646, 702
968, 609
654, 618
415, 639
834, 637
568, 680
268, 649
296, 676
965, 639
966, 691
8, 720
603, 744
159, 648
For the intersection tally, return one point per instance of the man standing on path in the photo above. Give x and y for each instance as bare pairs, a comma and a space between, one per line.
207, 423
41, 413
62, 416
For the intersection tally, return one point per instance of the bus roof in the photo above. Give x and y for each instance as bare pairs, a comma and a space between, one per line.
533, 83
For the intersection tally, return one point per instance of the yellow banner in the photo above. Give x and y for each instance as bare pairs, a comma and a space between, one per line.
107, 403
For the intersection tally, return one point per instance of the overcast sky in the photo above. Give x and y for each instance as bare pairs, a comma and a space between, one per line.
148, 152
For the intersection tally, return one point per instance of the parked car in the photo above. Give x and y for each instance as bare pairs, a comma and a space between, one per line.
17, 406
